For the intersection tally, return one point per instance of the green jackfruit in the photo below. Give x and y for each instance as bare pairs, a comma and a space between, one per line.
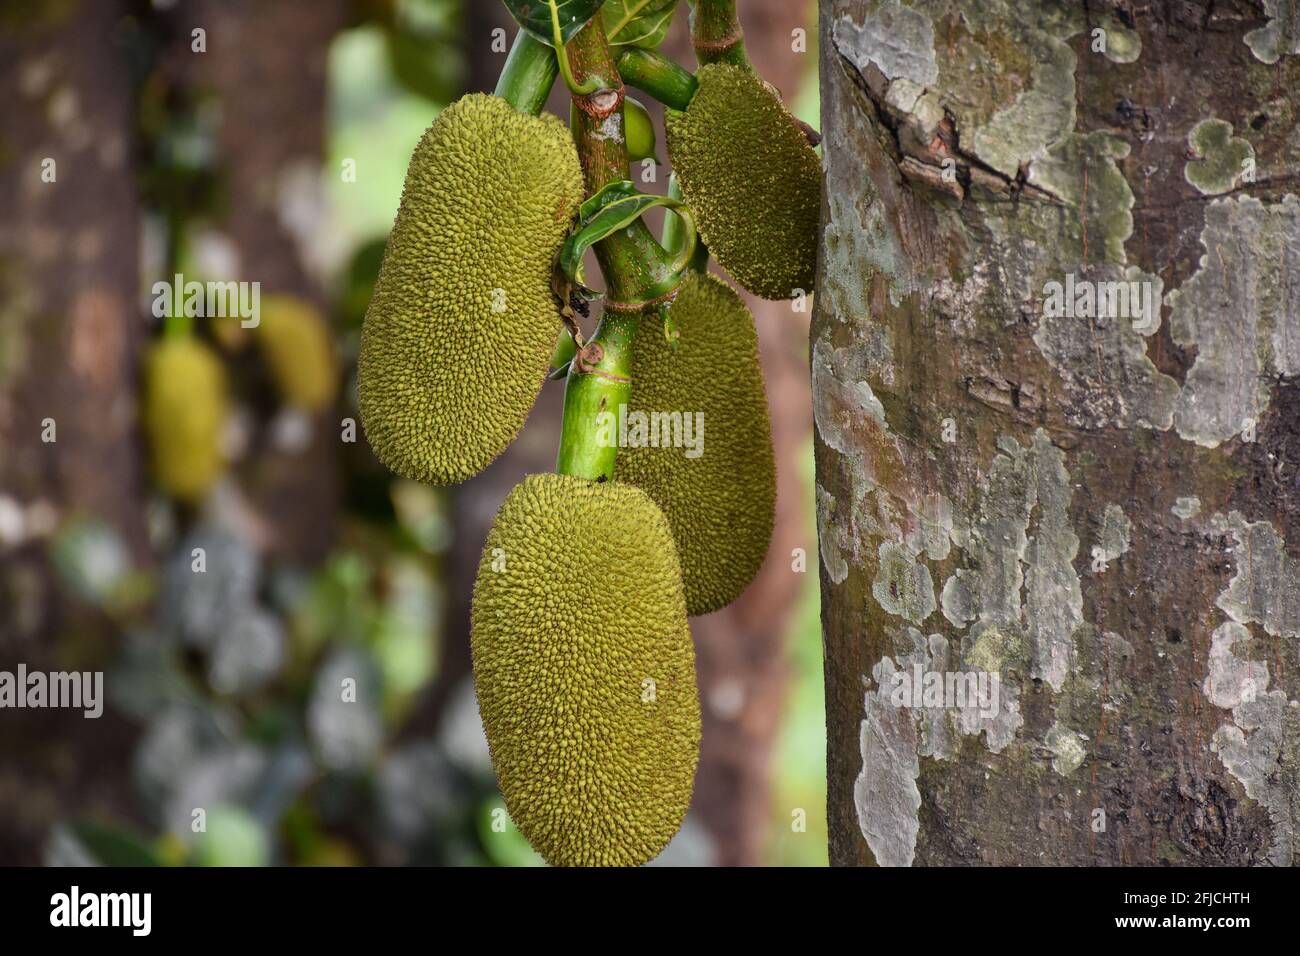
751, 179
185, 410
585, 670
295, 344
639, 131
721, 503
455, 344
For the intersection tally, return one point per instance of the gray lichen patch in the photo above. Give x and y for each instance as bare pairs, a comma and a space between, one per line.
1220, 158
1083, 170
1102, 361
903, 586
1187, 507
1053, 599
1113, 537
1122, 44
895, 39
885, 794
1241, 310
1259, 748
832, 537
1232, 681
1280, 36
1067, 749
1003, 557
1266, 586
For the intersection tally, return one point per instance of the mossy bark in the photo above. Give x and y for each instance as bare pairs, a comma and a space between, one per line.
1099, 509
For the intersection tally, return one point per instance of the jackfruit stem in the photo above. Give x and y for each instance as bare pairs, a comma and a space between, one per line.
530, 72
678, 233
716, 33
657, 75
634, 265
578, 88
599, 384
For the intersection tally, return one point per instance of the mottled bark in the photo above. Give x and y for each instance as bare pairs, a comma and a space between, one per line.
1100, 508
71, 323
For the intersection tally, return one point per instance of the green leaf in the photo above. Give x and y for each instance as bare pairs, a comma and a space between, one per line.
535, 16
642, 23
114, 847
615, 207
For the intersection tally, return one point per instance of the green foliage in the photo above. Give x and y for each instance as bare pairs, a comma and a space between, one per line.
642, 23
611, 210
535, 16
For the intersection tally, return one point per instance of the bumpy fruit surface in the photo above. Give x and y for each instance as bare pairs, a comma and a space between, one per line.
721, 504
185, 409
455, 344
751, 179
295, 343
585, 670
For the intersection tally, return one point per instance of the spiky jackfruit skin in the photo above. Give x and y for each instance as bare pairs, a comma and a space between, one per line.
751, 179
455, 343
585, 670
294, 341
185, 409
721, 505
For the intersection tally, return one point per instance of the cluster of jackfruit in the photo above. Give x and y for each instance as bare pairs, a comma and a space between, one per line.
294, 341
752, 180
456, 341
585, 670
185, 409
721, 505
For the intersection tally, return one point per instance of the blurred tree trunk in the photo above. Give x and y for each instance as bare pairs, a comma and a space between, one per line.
71, 324
1100, 508
265, 66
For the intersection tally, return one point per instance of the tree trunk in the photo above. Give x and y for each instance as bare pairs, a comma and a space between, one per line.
71, 325
1020, 478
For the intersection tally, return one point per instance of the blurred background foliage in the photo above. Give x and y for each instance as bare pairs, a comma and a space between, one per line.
318, 567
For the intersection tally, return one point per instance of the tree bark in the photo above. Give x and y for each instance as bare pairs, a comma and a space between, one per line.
71, 323
1098, 507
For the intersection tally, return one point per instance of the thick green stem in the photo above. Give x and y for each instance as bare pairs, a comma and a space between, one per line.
634, 265
599, 385
530, 72
657, 75
677, 233
716, 33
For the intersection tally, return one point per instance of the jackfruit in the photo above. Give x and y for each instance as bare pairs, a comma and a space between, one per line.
295, 343
585, 670
185, 411
717, 484
751, 179
639, 131
455, 343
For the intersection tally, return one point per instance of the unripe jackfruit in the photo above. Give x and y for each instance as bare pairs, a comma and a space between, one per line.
751, 179
185, 410
295, 343
721, 503
585, 670
455, 343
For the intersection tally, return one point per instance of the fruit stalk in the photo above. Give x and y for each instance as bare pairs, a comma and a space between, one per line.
530, 72
636, 270
657, 75
716, 33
